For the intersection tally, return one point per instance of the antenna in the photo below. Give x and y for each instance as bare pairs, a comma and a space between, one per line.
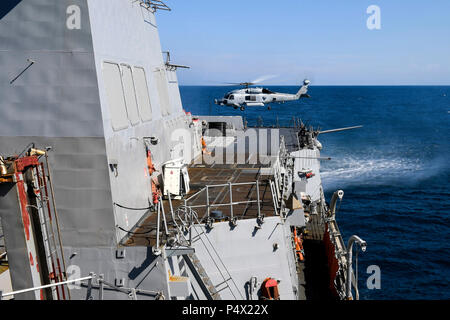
340, 129
170, 66
155, 5
31, 62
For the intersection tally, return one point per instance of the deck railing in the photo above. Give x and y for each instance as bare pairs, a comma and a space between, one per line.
233, 219
100, 283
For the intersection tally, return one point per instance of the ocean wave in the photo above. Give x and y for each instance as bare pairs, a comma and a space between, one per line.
378, 171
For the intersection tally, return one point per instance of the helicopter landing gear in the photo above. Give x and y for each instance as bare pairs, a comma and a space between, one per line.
242, 108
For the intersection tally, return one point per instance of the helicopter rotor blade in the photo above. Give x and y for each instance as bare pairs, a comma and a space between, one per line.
264, 78
250, 83
226, 84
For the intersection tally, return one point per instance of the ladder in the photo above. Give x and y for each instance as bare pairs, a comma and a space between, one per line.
52, 249
192, 261
228, 282
189, 220
201, 276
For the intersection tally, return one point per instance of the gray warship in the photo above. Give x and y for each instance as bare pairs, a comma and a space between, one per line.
109, 189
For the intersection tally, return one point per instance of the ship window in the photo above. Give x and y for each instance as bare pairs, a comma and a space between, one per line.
163, 92
143, 99
115, 96
130, 95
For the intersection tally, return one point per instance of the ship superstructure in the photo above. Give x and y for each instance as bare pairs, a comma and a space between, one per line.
109, 187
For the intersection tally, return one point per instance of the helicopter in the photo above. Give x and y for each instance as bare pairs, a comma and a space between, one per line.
259, 97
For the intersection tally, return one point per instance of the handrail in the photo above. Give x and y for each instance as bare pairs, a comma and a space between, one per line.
223, 204
231, 203
89, 278
46, 286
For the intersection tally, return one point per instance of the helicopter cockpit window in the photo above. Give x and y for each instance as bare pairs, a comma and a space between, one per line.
231, 97
227, 96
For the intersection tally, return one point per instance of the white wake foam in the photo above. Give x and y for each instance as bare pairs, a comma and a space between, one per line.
356, 171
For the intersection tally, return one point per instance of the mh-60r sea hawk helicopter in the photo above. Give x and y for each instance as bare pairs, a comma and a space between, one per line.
259, 97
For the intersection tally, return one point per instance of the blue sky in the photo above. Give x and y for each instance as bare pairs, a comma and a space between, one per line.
326, 41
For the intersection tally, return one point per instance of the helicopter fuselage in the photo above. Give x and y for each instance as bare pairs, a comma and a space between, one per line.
259, 97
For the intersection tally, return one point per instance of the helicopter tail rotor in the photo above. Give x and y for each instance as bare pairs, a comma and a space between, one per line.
302, 92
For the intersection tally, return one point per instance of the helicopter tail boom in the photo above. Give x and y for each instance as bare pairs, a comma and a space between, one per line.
302, 92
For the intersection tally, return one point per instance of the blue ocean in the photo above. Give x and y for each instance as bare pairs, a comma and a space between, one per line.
394, 171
